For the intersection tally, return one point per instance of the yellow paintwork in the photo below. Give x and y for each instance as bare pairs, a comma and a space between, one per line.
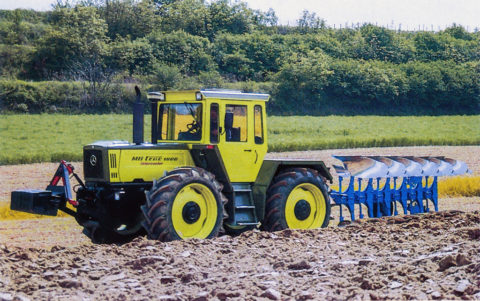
242, 160
318, 208
204, 198
148, 164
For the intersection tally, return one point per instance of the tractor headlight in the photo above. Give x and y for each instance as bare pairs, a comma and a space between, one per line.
198, 96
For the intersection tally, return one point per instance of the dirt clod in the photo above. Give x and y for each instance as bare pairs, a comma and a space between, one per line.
70, 284
462, 260
436, 295
395, 284
167, 279
447, 262
306, 295
474, 233
365, 261
302, 265
272, 294
462, 286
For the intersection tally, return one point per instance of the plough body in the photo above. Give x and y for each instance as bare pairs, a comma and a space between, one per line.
385, 183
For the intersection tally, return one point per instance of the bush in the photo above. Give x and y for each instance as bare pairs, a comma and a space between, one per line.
15, 59
318, 84
64, 97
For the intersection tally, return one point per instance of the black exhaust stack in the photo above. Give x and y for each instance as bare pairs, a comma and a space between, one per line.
138, 108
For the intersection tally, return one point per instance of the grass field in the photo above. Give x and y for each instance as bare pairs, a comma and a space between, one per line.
307, 133
43, 138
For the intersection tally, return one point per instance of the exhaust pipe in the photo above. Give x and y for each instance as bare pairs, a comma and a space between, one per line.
138, 108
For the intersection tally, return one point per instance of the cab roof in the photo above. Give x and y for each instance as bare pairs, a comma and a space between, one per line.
200, 95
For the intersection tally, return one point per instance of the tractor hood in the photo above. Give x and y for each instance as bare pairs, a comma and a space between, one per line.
122, 144
120, 161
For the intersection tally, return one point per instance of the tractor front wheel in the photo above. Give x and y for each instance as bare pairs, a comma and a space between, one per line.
101, 235
297, 199
186, 203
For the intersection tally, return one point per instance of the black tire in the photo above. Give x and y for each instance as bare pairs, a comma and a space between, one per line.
159, 220
279, 191
103, 227
101, 235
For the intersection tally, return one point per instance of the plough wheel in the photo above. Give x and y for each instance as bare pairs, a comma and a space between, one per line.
297, 199
187, 203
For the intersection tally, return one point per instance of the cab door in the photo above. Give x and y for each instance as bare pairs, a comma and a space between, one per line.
237, 144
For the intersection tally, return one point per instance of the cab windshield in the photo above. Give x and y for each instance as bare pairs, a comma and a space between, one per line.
180, 121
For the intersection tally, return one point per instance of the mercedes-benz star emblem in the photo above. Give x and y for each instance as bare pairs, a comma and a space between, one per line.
93, 160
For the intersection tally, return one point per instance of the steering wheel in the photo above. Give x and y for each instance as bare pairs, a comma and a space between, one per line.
193, 127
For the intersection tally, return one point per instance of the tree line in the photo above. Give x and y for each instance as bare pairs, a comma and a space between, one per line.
99, 47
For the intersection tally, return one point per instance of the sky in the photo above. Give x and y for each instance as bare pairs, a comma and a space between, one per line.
406, 14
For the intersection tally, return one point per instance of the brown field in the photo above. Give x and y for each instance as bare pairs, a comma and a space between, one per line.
430, 256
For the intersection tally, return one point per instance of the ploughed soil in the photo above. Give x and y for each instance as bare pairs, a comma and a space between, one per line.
429, 256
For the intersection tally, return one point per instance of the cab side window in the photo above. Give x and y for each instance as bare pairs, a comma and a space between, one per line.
236, 123
214, 123
258, 124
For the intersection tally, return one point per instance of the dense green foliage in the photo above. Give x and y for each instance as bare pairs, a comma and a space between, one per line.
177, 44
52, 137
66, 97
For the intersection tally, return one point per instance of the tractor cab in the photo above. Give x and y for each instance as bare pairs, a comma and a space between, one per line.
231, 122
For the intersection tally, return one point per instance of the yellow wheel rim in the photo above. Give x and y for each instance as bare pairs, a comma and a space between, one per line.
305, 207
194, 211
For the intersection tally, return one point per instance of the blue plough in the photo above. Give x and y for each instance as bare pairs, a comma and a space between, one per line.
384, 183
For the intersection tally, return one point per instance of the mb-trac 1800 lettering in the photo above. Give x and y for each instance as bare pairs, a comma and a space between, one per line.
205, 172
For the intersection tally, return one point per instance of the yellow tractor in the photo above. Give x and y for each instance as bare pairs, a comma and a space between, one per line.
203, 172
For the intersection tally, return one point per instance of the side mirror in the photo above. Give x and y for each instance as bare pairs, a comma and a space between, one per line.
228, 121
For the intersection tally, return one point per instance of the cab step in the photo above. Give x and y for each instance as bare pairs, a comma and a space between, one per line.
247, 224
243, 207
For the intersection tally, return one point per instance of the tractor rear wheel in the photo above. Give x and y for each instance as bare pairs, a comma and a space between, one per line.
297, 199
186, 203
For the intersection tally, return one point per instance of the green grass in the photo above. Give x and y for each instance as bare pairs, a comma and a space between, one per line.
44, 138
307, 133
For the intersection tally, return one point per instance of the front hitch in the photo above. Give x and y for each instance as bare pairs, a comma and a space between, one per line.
50, 200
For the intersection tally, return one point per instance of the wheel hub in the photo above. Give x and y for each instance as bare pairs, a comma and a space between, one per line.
191, 212
302, 210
